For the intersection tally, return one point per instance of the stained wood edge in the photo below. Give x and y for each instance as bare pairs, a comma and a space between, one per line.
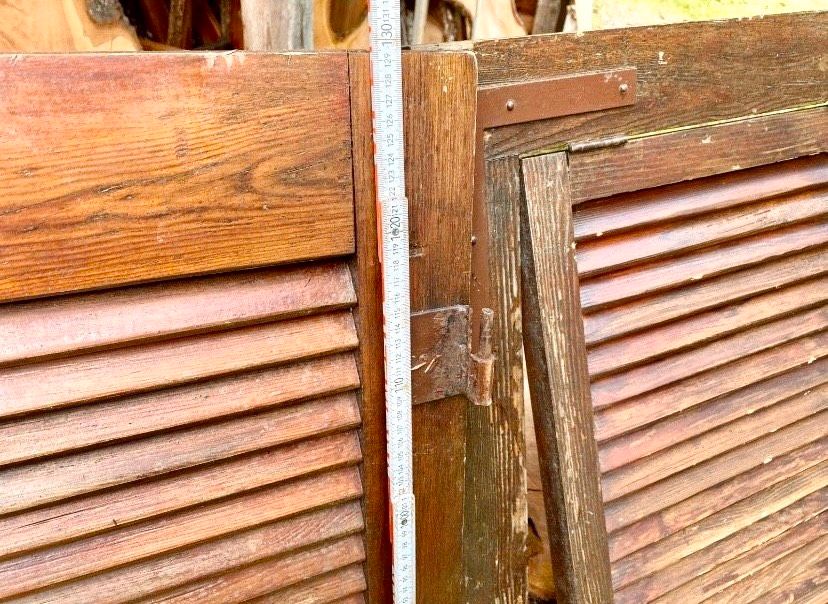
366, 270
559, 385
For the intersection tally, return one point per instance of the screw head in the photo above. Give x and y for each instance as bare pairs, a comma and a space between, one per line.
510, 105
623, 88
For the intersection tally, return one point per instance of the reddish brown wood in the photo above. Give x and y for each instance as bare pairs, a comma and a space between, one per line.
207, 167
707, 293
98, 375
700, 152
695, 509
605, 254
97, 424
702, 264
141, 579
685, 394
808, 585
328, 588
96, 512
62, 477
244, 584
89, 321
645, 207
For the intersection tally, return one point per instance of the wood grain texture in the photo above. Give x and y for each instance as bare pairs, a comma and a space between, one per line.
88, 556
605, 254
705, 263
260, 579
784, 532
340, 587
644, 207
179, 150
638, 505
368, 316
559, 384
67, 476
46, 328
97, 424
78, 517
807, 585
685, 580
97, 375
706, 386
732, 287
696, 508
719, 525
688, 73
142, 579
439, 90
496, 515
699, 152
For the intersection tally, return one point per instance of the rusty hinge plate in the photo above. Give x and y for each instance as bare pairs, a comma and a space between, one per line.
442, 363
508, 104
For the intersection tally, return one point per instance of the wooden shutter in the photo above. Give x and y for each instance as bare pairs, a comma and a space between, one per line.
697, 339
166, 434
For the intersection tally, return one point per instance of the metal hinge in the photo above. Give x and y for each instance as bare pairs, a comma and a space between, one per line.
594, 145
442, 363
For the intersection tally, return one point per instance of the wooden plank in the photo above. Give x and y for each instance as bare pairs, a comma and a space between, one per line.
693, 330
141, 579
614, 388
718, 526
67, 476
241, 585
760, 582
619, 251
689, 73
439, 91
152, 537
698, 152
698, 420
330, 588
704, 387
74, 518
204, 168
272, 25
699, 265
369, 321
638, 505
694, 509
671, 461
559, 384
756, 549
496, 515
98, 375
87, 321
646, 206
809, 584
707, 293
46, 26
797, 523
98, 424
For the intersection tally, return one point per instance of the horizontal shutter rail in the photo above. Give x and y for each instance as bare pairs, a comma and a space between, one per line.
83, 322
98, 375
142, 578
69, 475
125, 505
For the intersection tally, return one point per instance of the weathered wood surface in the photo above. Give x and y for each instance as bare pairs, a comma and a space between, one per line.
496, 513
277, 25
688, 74
700, 152
191, 164
439, 92
559, 384
368, 280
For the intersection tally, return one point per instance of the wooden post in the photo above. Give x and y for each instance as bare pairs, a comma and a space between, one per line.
277, 24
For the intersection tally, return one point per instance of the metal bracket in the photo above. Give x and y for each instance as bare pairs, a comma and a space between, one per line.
442, 364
